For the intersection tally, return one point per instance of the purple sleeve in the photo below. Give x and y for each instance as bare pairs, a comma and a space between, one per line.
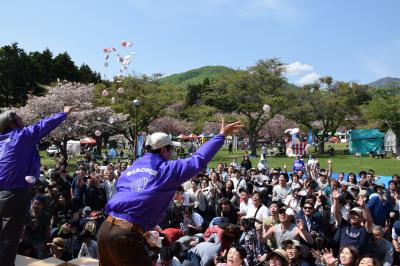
184, 169
37, 131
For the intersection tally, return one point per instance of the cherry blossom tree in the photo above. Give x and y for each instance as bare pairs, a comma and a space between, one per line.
274, 128
171, 125
83, 121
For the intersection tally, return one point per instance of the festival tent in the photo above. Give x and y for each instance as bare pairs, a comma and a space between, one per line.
390, 141
363, 141
88, 140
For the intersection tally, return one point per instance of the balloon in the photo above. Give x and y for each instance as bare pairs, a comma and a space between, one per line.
129, 44
113, 100
121, 90
124, 43
111, 120
120, 58
113, 48
97, 133
104, 93
107, 56
106, 50
266, 108
30, 179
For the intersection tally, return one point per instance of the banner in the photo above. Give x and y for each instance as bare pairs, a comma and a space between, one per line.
310, 137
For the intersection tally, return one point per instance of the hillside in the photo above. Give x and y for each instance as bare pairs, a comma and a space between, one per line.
196, 76
386, 82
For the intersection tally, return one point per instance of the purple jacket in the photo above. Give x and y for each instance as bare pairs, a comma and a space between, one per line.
146, 189
19, 156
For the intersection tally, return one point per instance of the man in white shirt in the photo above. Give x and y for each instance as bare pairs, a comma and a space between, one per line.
257, 209
281, 190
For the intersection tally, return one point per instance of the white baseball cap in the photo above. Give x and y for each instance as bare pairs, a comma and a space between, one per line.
158, 140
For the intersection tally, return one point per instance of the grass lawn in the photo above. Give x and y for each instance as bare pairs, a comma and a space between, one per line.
340, 161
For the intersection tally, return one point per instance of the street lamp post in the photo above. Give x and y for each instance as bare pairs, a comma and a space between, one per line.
136, 104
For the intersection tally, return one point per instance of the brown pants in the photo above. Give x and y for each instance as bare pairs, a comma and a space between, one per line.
119, 247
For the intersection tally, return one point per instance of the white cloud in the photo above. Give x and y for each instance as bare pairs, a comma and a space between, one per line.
297, 68
301, 74
308, 78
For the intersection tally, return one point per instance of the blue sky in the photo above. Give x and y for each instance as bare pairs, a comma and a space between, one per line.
350, 40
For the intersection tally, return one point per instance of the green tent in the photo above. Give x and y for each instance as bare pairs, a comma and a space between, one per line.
364, 141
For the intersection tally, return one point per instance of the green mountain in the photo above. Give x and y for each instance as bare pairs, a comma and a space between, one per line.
196, 76
387, 82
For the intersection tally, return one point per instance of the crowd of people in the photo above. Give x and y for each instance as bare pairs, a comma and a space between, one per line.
231, 215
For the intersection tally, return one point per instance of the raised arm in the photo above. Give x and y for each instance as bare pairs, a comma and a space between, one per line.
329, 169
366, 214
336, 207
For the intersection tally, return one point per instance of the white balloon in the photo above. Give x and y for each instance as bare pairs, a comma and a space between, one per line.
113, 100
30, 179
121, 90
266, 108
104, 93
97, 133
129, 44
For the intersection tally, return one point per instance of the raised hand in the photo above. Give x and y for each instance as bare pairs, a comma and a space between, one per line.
328, 257
68, 109
336, 195
300, 224
361, 201
230, 128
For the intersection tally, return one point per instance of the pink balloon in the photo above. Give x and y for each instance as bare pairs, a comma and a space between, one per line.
124, 43
104, 93
105, 50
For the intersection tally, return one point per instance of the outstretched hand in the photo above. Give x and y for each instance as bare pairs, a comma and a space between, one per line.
230, 128
68, 109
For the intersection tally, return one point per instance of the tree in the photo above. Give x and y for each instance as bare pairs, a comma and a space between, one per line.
246, 93
86, 75
325, 106
65, 68
274, 129
154, 101
83, 121
171, 126
15, 77
23, 74
384, 108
